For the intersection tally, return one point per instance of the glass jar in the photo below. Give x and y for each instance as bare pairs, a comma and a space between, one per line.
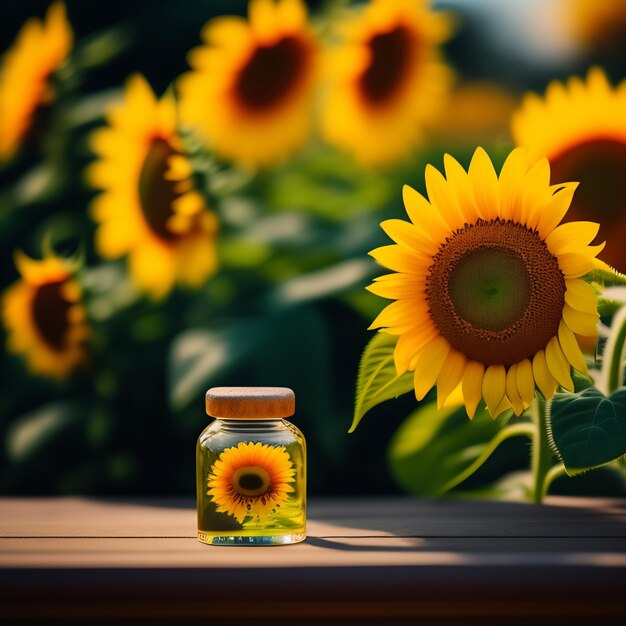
251, 469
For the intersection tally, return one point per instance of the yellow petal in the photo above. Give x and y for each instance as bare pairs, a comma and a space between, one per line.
450, 376
545, 380
460, 184
512, 391
580, 323
571, 349
400, 259
525, 381
505, 405
494, 384
397, 286
472, 386
485, 185
513, 170
410, 343
573, 264
428, 365
402, 313
571, 236
581, 296
558, 365
554, 211
423, 215
410, 236
441, 198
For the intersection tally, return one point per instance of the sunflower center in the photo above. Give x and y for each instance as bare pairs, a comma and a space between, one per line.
156, 193
271, 73
251, 480
495, 292
600, 167
50, 310
390, 59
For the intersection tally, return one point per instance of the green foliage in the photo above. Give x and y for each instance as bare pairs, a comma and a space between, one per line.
588, 428
378, 380
434, 451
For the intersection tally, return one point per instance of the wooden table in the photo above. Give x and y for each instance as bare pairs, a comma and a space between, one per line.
366, 561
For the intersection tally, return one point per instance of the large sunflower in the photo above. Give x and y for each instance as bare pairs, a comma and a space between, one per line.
385, 79
249, 94
251, 479
581, 128
39, 49
44, 317
487, 292
149, 210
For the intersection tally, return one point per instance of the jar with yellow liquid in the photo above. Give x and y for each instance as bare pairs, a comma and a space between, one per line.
251, 469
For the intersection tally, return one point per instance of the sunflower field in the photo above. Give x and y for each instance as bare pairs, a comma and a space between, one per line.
204, 194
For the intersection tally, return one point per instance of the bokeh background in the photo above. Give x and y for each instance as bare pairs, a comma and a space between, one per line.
287, 304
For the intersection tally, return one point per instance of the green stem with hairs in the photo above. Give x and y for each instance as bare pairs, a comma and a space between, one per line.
541, 459
615, 354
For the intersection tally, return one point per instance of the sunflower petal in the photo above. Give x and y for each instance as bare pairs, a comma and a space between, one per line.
428, 365
472, 386
574, 265
494, 384
450, 376
410, 236
581, 296
441, 198
558, 365
424, 216
400, 259
571, 236
545, 381
525, 381
512, 391
485, 185
571, 349
410, 343
580, 323
554, 211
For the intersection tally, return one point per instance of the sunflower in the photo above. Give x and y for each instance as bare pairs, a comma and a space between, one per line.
488, 291
44, 317
39, 49
149, 210
385, 80
581, 128
251, 479
249, 94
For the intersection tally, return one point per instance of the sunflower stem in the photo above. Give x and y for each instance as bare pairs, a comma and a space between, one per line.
615, 354
541, 454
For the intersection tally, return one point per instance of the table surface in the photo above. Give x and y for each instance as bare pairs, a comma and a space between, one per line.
364, 559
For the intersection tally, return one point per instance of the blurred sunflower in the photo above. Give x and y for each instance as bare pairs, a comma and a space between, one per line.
385, 80
149, 210
487, 292
581, 128
44, 317
39, 49
249, 94
251, 479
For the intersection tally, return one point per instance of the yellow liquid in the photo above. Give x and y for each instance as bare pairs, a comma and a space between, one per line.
286, 523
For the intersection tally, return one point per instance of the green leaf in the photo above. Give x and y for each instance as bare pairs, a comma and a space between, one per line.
31, 432
377, 380
434, 451
587, 428
198, 355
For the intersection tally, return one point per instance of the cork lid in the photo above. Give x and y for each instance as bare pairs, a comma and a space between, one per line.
251, 403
